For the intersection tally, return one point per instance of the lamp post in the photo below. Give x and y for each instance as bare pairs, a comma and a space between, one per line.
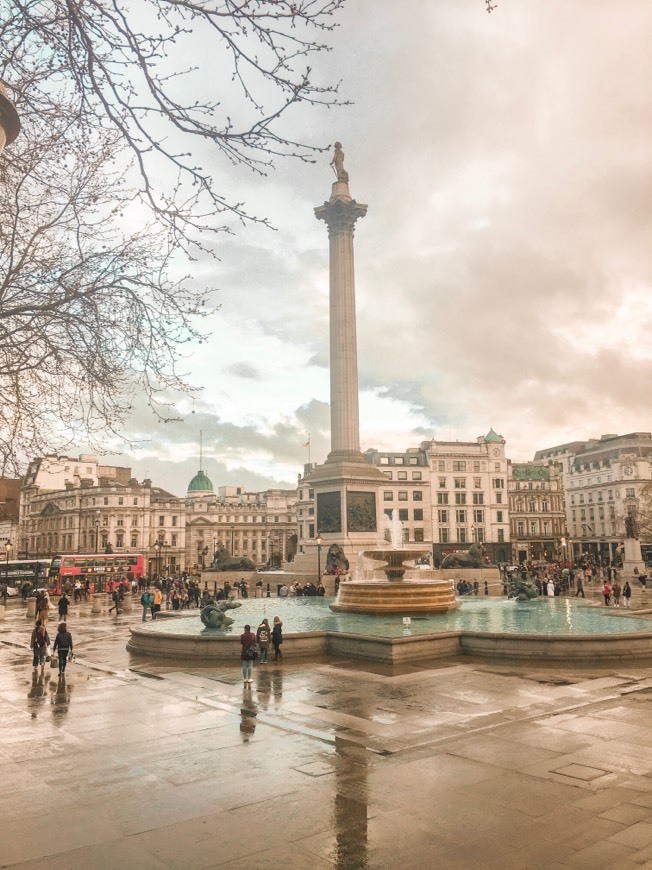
8, 549
157, 547
318, 541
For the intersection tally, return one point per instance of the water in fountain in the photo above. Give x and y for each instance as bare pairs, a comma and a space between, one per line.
394, 527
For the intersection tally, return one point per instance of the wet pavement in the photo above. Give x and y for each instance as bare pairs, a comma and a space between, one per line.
133, 763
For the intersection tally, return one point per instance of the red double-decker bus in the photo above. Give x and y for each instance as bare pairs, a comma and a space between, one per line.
97, 568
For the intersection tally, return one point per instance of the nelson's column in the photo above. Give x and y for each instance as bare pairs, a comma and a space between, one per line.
346, 488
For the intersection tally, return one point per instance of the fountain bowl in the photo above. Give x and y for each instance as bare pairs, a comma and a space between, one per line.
394, 595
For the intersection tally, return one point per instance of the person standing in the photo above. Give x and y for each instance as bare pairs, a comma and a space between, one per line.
580, 588
606, 591
63, 607
627, 594
550, 588
39, 643
146, 601
616, 593
62, 646
158, 601
262, 638
277, 637
247, 653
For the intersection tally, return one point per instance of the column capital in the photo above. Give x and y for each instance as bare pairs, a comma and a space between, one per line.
340, 213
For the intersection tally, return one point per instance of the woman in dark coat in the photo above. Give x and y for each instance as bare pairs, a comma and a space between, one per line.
277, 638
62, 646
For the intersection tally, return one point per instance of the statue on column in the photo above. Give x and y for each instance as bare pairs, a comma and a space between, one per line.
338, 163
631, 529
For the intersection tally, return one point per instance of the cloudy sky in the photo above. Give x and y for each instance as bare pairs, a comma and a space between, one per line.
503, 268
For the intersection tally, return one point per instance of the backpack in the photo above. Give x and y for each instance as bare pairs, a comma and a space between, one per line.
250, 653
263, 635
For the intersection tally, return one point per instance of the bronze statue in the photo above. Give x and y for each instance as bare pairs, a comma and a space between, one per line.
338, 163
472, 558
224, 561
631, 526
336, 561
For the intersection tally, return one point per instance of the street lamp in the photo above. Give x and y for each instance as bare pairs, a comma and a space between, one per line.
318, 541
8, 549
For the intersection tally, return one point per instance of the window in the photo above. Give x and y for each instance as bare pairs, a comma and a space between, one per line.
120, 521
418, 534
496, 466
443, 535
478, 498
461, 535
479, 535
442, 483
173, 540
460, 516
384, 460
477, 483
161, 521
398, 460
416, 475
442, 498
418, 514
388, 512
533, 528
119, 541
581, 498
403, 515
460, 498
417, 495
546, 528
499, 516
402, 495
388, 495
441, 465
388, 474
442, 516
499, 483
545, 505
499, 498
106, 499
478, 516
402, 475
520, 529
630, 492
460, 483
476, 466
501, 536
459, 465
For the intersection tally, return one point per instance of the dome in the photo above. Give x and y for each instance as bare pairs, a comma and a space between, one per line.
200, 483
493, 438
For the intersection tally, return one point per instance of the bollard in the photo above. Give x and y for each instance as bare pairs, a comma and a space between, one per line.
2, 612
98, 599
31, 607
268, 593
127, 602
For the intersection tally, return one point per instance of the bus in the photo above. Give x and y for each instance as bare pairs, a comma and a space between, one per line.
97, 568
14, 573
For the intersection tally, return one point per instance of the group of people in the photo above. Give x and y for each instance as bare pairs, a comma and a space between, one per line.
40, 646
308, 590
256, 646
615, 591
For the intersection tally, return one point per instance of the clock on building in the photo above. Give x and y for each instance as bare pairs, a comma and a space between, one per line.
628, 470
496, 451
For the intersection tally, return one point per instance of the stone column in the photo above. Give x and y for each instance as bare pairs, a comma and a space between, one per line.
340, 214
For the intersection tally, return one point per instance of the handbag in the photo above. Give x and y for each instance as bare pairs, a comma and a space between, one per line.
47, 652
54, 662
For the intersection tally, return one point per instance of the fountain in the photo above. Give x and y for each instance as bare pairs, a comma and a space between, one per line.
394, 594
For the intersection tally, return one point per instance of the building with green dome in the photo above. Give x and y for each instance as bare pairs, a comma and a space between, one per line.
200, 485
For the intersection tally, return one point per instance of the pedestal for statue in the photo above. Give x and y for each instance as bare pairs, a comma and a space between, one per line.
633, 563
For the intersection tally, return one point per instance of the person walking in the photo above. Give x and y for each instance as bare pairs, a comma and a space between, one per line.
39, 643
43, 607
580, 588
158, 601
262, 638
62, 646
606, 591
616, 593
627, 594
277, 637
63, 607
247, 653
115, 595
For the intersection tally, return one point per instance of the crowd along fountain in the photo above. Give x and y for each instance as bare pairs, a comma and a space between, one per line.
393, 594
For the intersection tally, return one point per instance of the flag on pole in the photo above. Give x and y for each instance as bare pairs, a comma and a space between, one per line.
307, 444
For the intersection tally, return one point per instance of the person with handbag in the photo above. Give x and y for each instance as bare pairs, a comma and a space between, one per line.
248, 653
39, 643
277, 637
62, 646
